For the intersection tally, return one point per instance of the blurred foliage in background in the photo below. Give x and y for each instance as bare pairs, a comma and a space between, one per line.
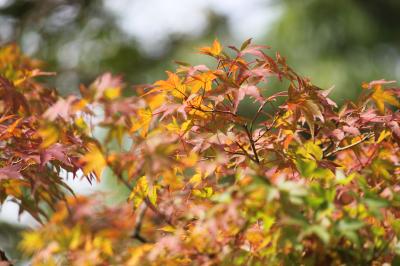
336, 43
339, 43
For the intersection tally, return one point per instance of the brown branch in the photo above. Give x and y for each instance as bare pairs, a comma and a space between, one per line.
338, 149
236, 153
253, 147
257, 115
163, 216
246, 153
138, 224
268, 129
125, 182
213, 111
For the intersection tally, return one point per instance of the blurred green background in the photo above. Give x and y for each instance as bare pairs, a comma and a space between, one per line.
337, 43
341, 42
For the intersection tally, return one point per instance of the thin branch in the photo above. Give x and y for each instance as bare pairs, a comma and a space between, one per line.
138, 224
212, 111
268, 129
366, 137
125, 182
164, 217
246, 153
253, 147
237, 153
257, 115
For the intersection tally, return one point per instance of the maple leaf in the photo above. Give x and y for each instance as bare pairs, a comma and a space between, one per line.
203, 80
56, 151
93, 161
156, 100
62, 108
50, 134
142, 122
178, 128
381, 96
107, 86
173, 84
143, 190
206, 179
10, 172
214, 50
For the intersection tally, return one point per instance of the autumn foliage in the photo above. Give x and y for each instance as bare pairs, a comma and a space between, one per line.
298, 181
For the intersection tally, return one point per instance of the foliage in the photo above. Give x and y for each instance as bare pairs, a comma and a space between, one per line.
306, 183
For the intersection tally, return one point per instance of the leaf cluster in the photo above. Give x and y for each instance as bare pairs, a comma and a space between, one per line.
299, 181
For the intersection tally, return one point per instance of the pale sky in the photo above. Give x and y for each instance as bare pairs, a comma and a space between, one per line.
152, 21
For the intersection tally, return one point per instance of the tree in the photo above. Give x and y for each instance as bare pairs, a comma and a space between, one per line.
338, 43
299, 182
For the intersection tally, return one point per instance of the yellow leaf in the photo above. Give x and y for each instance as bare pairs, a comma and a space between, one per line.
143, 190
203, 80
197, 192
311, 150
14, 125
31, 241
214, 50
76, 240
168, 228
195, 180
173, 84
137, 253
175, 127
112, 93
142, 122
208, 191
94, 161
172, 180
384, 134
381, 97
185, 126
203, 193
190, 160
156, 100
80, 123
152, 194
50, 134
104, 245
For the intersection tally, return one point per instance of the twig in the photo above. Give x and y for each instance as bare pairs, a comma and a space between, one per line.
268, 129
138, 224
125, 182
367, 136
246, 153
257, 115
164, 217
212, 111
253, 147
